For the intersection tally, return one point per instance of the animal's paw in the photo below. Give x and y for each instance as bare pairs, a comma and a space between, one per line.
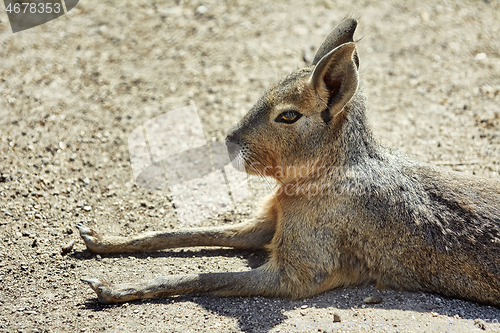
104, 290
91, 238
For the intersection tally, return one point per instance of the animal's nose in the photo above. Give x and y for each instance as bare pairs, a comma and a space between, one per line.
231, 137
232, 146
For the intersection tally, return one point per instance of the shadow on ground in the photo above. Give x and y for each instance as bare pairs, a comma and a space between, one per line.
260, 314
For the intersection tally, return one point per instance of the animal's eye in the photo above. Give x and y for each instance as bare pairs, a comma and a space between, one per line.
288, 117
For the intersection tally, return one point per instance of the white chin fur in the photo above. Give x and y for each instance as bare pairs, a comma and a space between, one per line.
239, 162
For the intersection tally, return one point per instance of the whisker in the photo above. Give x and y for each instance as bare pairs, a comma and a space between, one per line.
259, 159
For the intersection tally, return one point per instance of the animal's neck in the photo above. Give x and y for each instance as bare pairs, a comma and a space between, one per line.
356, 143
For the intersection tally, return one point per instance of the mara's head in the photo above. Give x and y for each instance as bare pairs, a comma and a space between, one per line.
296, 122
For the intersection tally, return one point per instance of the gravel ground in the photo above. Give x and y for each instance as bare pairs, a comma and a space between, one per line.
72, 91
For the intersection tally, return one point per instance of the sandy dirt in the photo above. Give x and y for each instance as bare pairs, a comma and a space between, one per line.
72, 91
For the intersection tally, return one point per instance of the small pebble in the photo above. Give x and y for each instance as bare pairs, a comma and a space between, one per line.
27, 233
373, 300
336, 318
481, 56
87, 208
68, 247
424, 16
5, 178
201, 10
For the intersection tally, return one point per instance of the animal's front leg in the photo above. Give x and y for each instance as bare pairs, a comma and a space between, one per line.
254, 234
263, 281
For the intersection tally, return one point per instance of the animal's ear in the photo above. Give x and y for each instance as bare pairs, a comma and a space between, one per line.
336, 74
341, 34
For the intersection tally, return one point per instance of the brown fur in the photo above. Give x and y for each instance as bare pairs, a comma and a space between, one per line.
346, 210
